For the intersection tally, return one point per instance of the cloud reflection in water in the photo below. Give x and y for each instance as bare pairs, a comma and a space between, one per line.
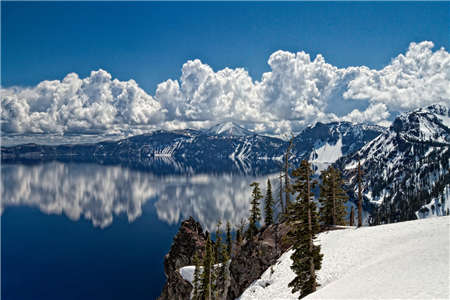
98, 193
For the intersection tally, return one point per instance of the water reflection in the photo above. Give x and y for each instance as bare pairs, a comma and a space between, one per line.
98, 193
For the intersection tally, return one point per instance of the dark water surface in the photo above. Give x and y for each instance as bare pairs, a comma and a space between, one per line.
87, 231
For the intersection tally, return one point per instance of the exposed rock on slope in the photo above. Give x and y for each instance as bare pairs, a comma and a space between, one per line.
323, 144
255, 256
406, 167
227, 147
190, 240
248, 260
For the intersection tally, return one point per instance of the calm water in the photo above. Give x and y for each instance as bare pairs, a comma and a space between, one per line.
87, 231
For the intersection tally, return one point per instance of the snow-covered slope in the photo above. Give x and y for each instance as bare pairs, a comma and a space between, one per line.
406, 167
323, 143
225, 145
229, 129
407, 260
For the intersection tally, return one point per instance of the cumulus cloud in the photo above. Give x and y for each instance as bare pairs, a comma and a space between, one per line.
95, 104
377, 113
420, 77
296, 92
202, 95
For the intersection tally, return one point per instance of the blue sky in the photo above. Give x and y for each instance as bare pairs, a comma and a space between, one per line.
150, 41
399, 50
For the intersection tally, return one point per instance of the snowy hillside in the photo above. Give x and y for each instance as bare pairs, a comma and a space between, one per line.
323, 143
408, 260
405, 168
224, 146
229, 129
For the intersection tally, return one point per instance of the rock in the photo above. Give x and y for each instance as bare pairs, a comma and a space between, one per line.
255, 256
247, 264
189, 240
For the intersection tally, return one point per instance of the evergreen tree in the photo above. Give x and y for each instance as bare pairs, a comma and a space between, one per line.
208, 271
281, 194
287, 186
360, 199
222, 271
304, 224
229, 239
196, 281
268, 205
240, 232
218, 243
238, 237
332, 198
255, 213
352, 217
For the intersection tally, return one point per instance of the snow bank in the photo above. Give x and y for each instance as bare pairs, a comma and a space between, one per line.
326, 154
408, 260
188, 273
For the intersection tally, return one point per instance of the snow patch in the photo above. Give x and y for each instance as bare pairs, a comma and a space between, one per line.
407, 260
326, 154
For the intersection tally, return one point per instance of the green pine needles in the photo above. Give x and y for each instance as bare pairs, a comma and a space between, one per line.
268, 205
332, 198
197, 278
255, 212
208, 274
229, 239
304, 223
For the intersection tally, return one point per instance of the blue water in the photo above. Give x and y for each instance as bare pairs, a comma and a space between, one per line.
86, 231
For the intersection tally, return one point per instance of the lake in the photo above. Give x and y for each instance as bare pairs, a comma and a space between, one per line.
90, 231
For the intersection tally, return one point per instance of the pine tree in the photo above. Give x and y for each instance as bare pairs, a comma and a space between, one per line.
332, 198
255, 213
281, 194
360, 199
268, 205
208, 271
222, 270
352, 217
287, 186
304, 222
196, 281
238, 237
218, 243
240, 232
229, 239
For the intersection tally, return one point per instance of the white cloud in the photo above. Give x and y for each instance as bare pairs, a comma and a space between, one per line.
296, 92
95, 104
203, 95
376, 113
419, 78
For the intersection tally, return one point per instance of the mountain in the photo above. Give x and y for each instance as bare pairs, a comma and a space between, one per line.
323, 143
406, 169
228, 129
225, 146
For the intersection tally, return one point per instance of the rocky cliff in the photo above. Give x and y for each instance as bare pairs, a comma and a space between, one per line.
189, 240
249, 260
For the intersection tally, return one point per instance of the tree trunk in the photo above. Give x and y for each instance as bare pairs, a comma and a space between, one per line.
334, 199
352, 217
281, 192
359, 195
286, 180
311, 259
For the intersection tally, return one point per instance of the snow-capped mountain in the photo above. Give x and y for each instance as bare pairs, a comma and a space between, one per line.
228, 129
323, 143
406, 169
225, 146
